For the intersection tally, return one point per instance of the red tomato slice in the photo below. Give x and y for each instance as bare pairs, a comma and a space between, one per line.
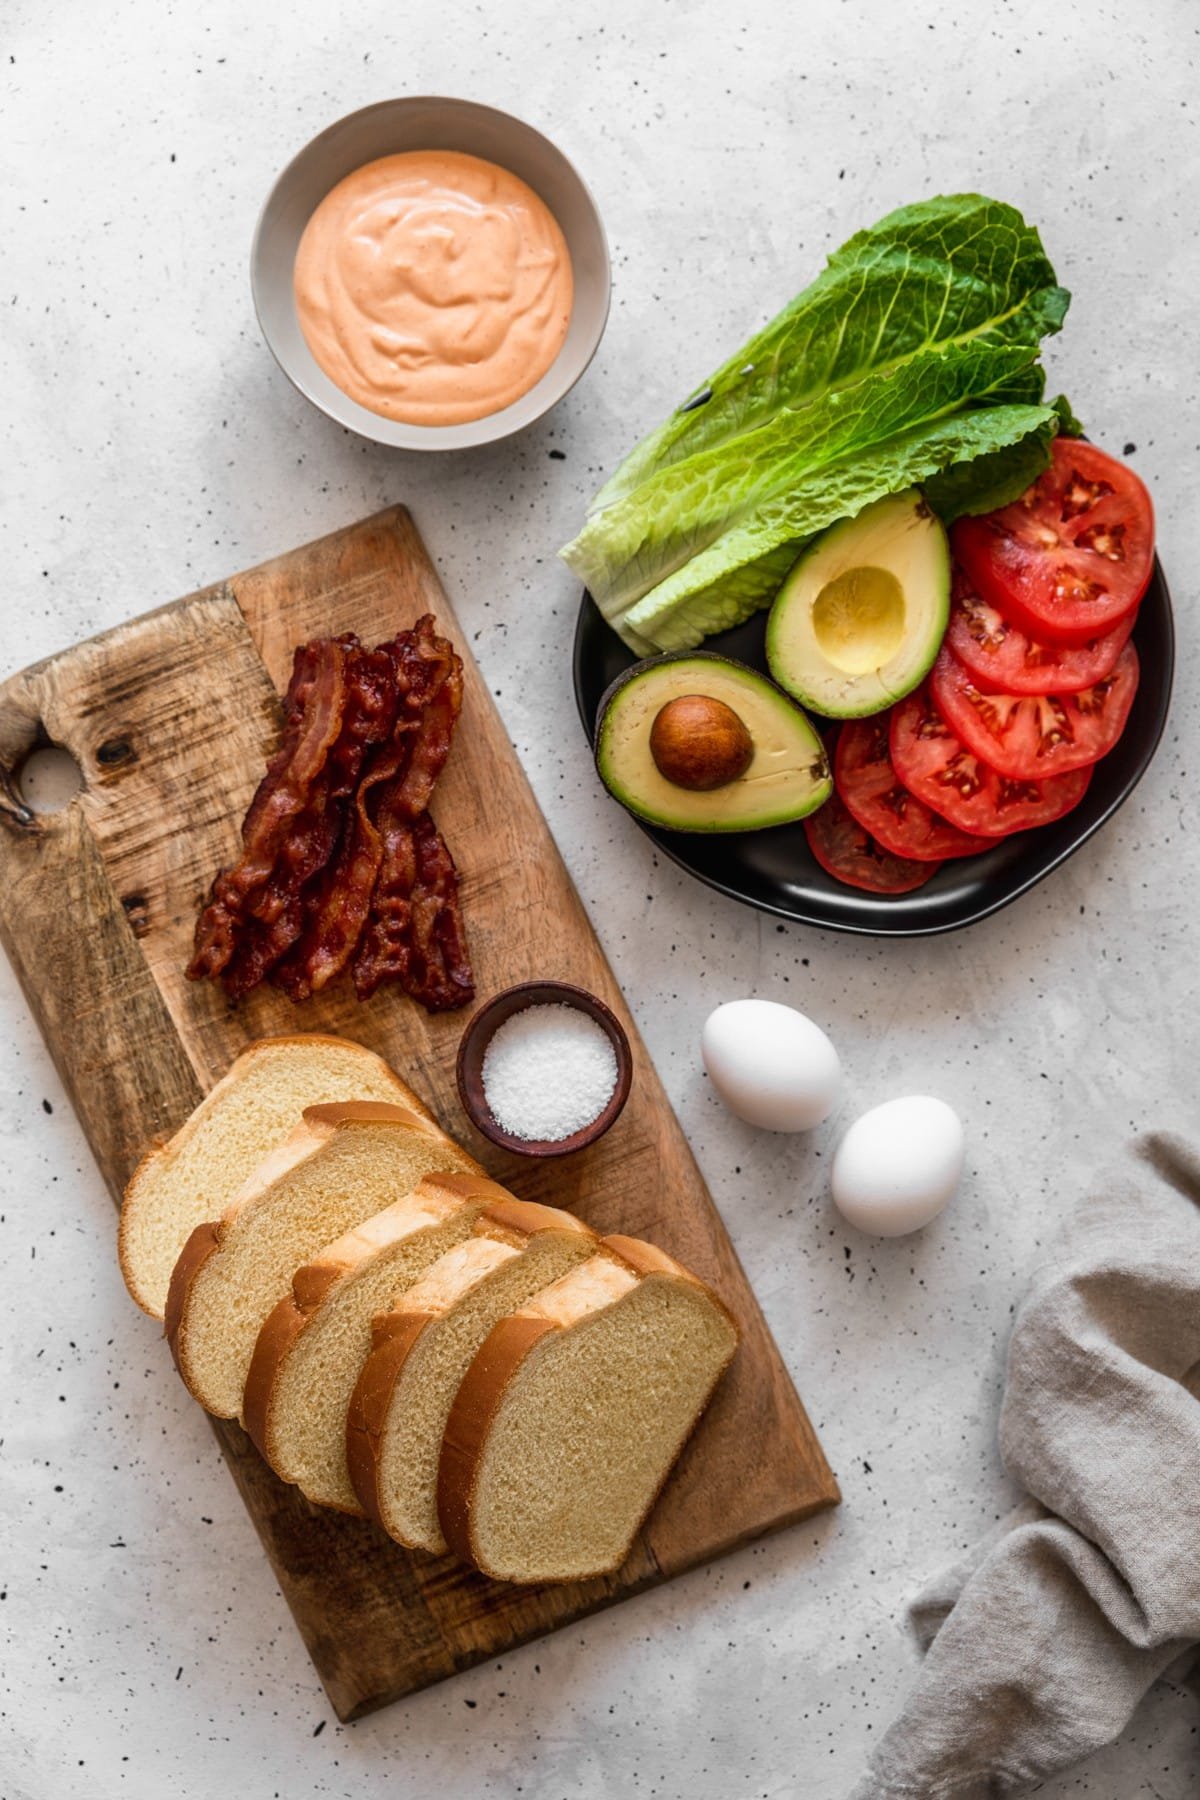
850, 854
1032, 736
872, 794
935, 766
1003, 659
1073, 555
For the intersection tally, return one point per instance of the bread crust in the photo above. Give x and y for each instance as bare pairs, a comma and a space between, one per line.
394, 1337
644, 1258
203, 1243
285, 1322
648, 1259
333, 1113
483, 1388
163, 1146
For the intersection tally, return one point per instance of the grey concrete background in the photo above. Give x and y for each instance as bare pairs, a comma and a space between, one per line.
151, 446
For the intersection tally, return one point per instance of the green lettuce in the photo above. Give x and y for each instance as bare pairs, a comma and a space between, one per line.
699, 598
685, 507
993, 477
934, 314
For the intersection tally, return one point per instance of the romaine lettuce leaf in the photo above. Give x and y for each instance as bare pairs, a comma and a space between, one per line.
1068, 424
644, 538
993, 478
734, 576
952, 270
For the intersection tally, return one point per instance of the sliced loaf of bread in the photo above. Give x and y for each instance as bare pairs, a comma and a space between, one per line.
192, 1178
573, 1411
312, 1347
341, 1165
422, 1349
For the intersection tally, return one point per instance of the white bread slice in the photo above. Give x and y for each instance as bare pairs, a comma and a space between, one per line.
193, 1177
572, 1413
342, 1164
312, 1347
422, 1349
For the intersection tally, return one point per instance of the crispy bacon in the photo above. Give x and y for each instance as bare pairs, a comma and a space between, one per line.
341, 861
312, 721
415, 934
385, 949
440, 974
417, 883
397, 782
277, 912
434, 667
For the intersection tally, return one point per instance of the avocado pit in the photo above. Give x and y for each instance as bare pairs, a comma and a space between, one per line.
699, 743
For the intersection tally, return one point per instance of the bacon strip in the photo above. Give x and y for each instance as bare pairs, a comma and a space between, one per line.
277, 912
415, 935
440, 972
312, 720
417, 884
385, 950
437, 667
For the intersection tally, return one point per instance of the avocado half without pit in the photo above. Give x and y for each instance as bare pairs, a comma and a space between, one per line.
695, 742
859, 620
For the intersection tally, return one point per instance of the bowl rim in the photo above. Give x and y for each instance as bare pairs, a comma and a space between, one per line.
396, 434
482, 1027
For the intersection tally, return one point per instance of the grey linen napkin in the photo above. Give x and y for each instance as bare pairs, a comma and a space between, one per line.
1044, 1638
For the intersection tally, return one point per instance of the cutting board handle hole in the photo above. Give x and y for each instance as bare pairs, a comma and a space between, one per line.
49, 779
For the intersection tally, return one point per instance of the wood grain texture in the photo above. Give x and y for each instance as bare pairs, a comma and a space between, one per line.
170, 718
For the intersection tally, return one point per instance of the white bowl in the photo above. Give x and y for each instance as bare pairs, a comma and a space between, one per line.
428, 123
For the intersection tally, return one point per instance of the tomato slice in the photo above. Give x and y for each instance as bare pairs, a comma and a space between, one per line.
1003, 659
1031, 736
873, 795
939, 769
850, 854
1073, 555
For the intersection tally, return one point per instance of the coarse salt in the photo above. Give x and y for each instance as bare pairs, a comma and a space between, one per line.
547, 1072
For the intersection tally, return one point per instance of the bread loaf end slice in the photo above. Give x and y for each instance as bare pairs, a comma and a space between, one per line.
573, 1412
193, 1177
422, 1349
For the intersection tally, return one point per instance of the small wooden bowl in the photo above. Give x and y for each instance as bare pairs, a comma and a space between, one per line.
478, 1035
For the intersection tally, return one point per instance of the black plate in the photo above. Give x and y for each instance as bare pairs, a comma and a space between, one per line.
774, 869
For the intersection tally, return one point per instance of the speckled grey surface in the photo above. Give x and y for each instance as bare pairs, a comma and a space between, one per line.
152, 445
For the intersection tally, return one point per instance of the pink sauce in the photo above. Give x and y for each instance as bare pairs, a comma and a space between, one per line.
433, 287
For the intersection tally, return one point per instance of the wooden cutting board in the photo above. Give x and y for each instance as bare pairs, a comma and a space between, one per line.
170, 719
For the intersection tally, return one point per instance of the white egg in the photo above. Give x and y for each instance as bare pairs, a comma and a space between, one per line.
771, 1066
898, 1165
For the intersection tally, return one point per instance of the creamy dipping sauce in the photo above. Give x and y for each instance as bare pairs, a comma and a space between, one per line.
433, 287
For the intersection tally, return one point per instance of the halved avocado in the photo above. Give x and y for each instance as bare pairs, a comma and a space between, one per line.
695, 742
860, 618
